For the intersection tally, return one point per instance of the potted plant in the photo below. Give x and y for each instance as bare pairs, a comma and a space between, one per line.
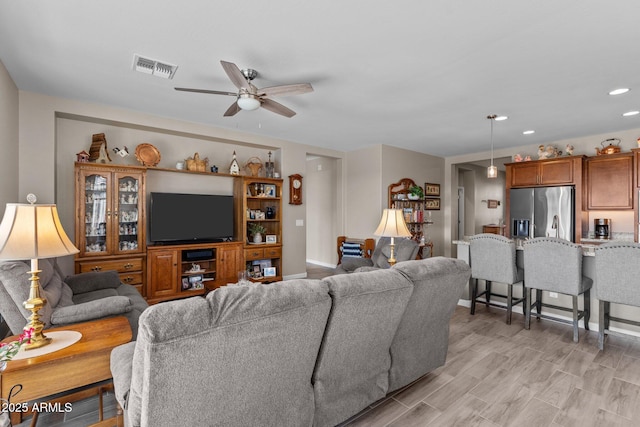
256, 230
416, 193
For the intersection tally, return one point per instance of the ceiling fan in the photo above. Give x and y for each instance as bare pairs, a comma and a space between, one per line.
250, 97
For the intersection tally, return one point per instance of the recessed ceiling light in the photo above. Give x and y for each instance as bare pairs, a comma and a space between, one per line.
631, 113
528, 132
619, 91
501, 118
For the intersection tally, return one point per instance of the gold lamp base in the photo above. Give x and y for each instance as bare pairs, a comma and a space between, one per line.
392, 258
34, 304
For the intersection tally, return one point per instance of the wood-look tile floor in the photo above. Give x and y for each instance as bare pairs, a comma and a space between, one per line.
503, 375
497, 375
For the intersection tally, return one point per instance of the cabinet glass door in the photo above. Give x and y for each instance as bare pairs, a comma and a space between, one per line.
127, 209
96, 211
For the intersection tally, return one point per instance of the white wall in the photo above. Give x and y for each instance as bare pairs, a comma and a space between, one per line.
8, 141
39, 115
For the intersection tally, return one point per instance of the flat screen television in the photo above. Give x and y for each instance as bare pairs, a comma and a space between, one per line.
190, 218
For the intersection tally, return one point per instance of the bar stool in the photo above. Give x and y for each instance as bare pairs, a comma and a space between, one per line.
555, 265
617, 280
493, 259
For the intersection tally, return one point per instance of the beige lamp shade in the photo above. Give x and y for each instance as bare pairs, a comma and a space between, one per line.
392, 224
30, 231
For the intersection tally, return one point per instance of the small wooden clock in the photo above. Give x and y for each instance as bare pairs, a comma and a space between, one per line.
295, 189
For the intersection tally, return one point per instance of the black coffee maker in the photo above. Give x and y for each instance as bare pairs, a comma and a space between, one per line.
602, 227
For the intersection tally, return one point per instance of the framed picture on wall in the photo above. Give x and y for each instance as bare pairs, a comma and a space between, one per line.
432, 204
431, 190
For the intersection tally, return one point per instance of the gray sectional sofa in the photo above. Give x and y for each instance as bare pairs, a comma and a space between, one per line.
293, 353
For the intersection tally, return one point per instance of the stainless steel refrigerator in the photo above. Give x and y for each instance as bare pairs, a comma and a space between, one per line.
543, 212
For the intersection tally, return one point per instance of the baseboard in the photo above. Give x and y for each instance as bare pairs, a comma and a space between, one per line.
295, 276
593, 326
320, 263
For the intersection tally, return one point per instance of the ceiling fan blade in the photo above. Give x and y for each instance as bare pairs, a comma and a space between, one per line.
284, 90
232, 110
276, 107
236, 76
214, 92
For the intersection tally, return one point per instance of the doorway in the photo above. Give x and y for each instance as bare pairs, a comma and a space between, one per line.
323, 209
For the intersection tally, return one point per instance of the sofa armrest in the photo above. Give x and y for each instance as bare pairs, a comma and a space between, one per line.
91, 310
121, 371
92, 281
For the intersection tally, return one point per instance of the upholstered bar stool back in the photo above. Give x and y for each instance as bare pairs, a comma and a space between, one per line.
493, 259
555, 265
617, 281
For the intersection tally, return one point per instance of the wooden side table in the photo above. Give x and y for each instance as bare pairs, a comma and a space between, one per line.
81, 364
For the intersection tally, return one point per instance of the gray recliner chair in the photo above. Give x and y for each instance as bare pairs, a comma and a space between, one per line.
74, 299
404, 250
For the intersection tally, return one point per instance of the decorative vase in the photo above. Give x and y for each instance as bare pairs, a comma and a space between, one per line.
413, 196
257, 238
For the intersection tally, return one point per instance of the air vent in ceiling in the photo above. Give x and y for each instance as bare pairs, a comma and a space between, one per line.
152, 66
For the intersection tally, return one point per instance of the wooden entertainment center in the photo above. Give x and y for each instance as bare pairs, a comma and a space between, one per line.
111, 223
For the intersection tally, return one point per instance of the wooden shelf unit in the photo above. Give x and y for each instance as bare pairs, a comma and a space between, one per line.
169, 265
110, 221
251, 199
413, 210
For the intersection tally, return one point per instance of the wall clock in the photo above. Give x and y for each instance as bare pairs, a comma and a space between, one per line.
295, 189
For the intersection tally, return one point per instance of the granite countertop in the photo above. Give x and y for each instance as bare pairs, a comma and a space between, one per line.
588, 245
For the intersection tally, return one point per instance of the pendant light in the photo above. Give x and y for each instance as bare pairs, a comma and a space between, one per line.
492, 171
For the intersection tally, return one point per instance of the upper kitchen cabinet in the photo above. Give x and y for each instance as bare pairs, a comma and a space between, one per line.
558, 171
609, 181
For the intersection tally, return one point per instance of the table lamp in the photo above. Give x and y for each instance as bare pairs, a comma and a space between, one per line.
392, 225
30, 231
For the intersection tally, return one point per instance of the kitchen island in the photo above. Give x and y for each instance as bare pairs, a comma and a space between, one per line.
588, 269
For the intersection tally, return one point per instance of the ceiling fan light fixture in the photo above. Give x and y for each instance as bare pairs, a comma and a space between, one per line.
249, 102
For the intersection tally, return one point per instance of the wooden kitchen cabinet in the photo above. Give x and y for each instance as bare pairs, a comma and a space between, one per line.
566, 170
558, 171
610, 181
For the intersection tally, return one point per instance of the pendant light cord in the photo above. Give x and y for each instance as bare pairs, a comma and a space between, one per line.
492, 118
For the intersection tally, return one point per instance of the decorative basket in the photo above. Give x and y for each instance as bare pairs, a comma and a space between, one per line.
254, 164
196, 164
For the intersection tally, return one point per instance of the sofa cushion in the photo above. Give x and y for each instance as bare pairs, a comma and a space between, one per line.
245, 354
353, 364
91, 281
91, 310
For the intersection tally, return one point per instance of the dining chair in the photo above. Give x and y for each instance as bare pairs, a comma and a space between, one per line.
555, 265
493, 259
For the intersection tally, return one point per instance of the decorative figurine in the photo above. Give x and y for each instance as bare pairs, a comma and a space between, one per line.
234, 167
569, 150
517, 158
82, 157
122, 153
269, 167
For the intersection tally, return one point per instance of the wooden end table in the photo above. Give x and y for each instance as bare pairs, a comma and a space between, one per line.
83, 363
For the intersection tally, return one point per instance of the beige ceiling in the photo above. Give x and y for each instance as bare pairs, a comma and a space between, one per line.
422, 75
